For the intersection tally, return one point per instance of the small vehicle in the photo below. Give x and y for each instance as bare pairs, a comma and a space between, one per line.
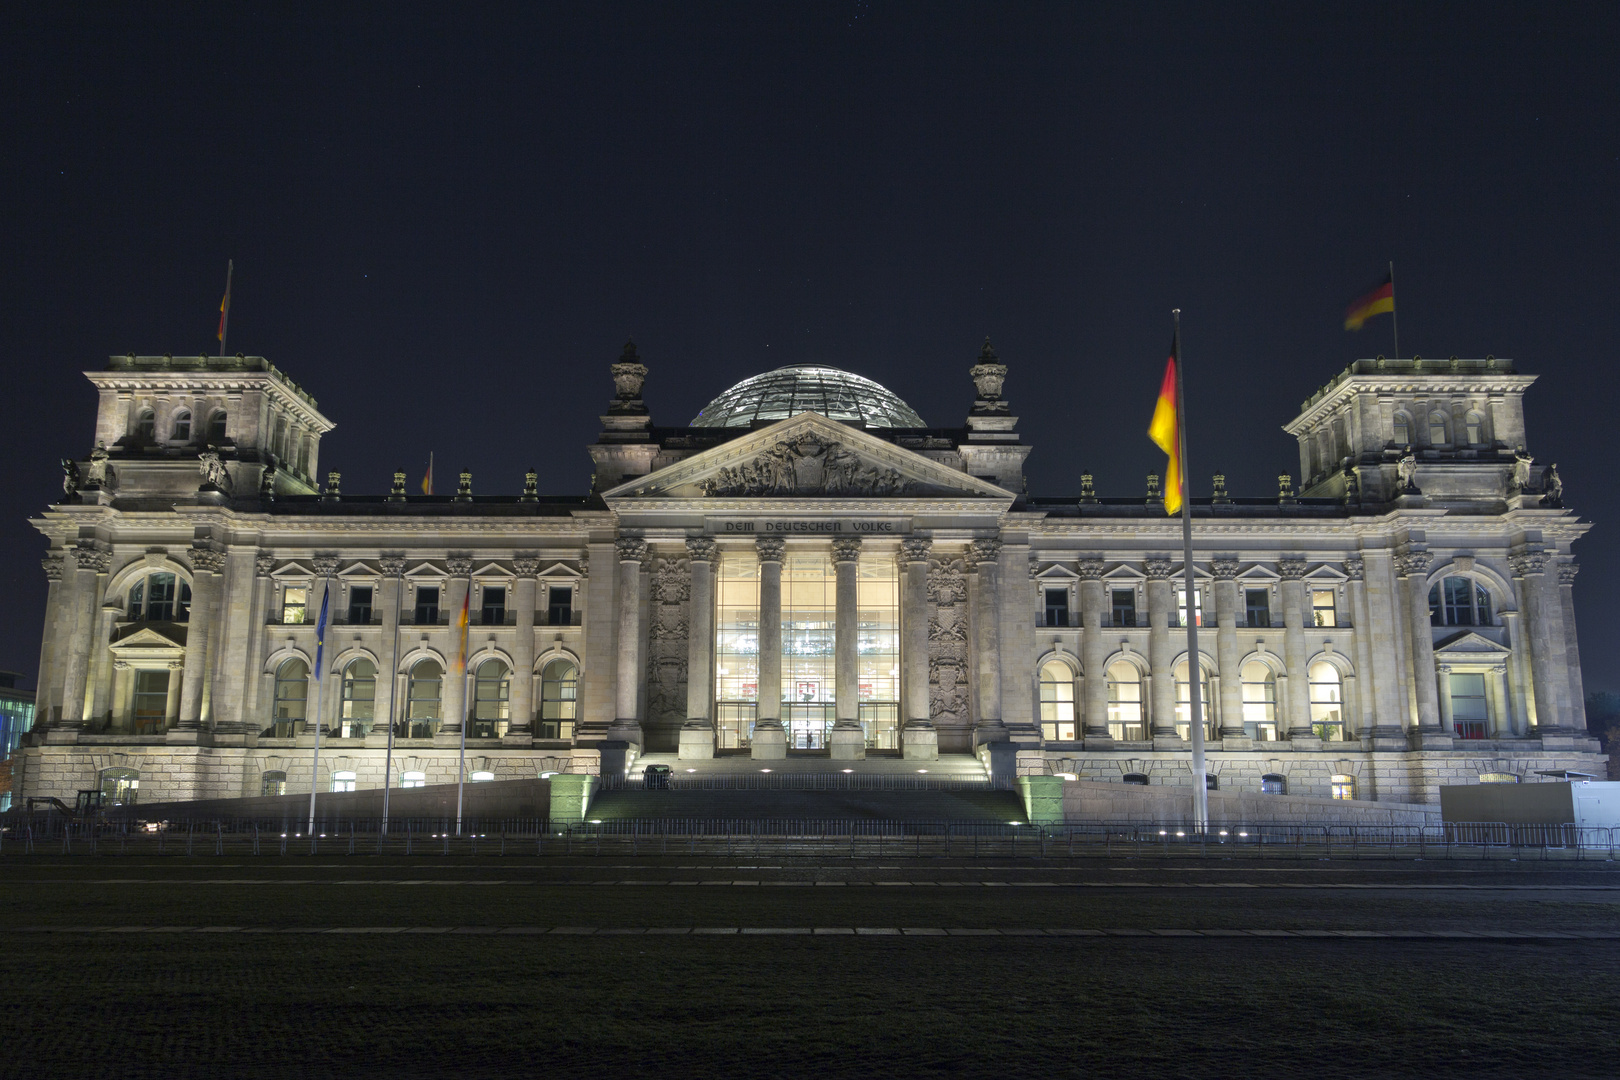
655, 778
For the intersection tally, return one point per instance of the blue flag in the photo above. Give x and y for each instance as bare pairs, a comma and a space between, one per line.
320, 630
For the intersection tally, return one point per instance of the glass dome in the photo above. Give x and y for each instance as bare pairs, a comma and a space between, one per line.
788, 391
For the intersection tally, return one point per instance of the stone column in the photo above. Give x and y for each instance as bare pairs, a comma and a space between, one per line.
171, 703
1226, 648
206, 565
1162, 682
89, 576
1379, 634
1501, 708
254, 715
48, 690
626, 726
918, 738
454, 687
98, 716
1414, 566
847, 742
1093, 649
697, 734
1448, 721
1572, 652
520, 724
1298, 693
1356, 598
770, 738
390, 601
1548, 681
985, 558
122, 680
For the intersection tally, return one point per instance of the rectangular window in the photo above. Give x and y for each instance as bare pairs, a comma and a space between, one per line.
160, 597
1181, 607
1124, 604
1057, 607
360, 606
1342, 787
560, 605
294, 605
1459, 601
1468, 705
877, 650
1322, 607
1257, 605
343, 781
427, 605
493, 611
151, 701
736, 646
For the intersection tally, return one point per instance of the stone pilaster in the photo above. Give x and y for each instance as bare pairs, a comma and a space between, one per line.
1093, 650
626, 726
697, 734
1379, 635
454, 687
1298, 708
1226, 648
520, 726
918, 737
1572, 652
770, 738
847, 741
256, 713
1162, 683
390, 601
89, 580
1430, 734
49, 686
1548, 680
97, 716
985, 558
206, 565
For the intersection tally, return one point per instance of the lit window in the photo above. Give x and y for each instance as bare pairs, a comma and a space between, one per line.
119, 787
1257, 608
292, 694
149, 706
1341, 787
422, 700
493, 610
427, 605
1273, 784
359, 697
294, 605
1181, 607
273, 782
559, 605
360, 605
413, 779
491, 700
1124, 607
343, 781
1468, 706
1057, 607
1437, 429
1323, 609
160, 597
1475, 425
1403, 430
1259, 701
1057, 702
481, 777
1459, 601
1124, 701
559, 681
1184, 700
1327, 716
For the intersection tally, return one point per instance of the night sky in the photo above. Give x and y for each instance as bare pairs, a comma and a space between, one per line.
447, 220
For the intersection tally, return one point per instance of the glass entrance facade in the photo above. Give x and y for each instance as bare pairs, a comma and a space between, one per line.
736, 647
809, 605
878, 649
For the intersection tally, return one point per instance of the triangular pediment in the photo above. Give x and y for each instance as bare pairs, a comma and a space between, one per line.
1470, 644
147, 639
806, 456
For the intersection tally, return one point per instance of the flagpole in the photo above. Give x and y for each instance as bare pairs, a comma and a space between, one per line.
225, 306
1195, 671
388, 758
1394, 324
315, 764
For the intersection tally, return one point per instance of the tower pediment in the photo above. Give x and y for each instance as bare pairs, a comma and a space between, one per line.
806, 456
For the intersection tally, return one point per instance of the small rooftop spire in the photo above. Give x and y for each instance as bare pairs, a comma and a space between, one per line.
987, 355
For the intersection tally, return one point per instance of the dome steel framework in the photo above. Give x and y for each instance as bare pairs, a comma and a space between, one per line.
788, 391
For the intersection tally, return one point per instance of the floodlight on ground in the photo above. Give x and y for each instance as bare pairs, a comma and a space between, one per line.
849, 770
596, 821
922, 770
691, 770
764, 770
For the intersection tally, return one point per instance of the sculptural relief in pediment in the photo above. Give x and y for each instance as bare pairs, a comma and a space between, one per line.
808, 464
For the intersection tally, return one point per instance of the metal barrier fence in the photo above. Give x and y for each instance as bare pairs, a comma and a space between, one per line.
790, 781
53, 834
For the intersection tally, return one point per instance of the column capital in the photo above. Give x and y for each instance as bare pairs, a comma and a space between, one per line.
630, 548
89, 556
1223, 569
915, 549
1567, 571
846, 549
701, 548
1159, 569
770, 548
459, 564
1291, 569
53, 567
1413, 563
1354, 568
1091, 569
207, 560
526, 563
392, 565
326, 565
987, 550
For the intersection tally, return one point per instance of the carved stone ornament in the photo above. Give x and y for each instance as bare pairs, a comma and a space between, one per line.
53, 567
915, 549
671, 582
98, 471
87, 557
629, 374
770, 548
1355, 568
213, 471
264, 562
1159, 569
326, 565
986, 552
1091, 569
207, 560
807, 465
1519, 481
1552, 487
70, 478
1414, 563
1224, 569
392, 565
1567, 572
1406, 473
630, 548
1530, 562
701, 548
947, 585
1291, 569
267, 483
846, 549
526, 564
946, 633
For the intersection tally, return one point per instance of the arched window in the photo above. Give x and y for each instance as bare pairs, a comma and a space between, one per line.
1184, 701
1474, 424
273, 782
216, 427
1327, 701
1438, 435
559, 681
1057, 702
146, 425
1259, 701
415, 778
482, 776
1403, 429
1135, 779
1124, 701
1341, 786
159, 597
359, 698
1273, 784
182, 427
343, 780
292, 695
119, 786
492, 689
422, 700
1459, 601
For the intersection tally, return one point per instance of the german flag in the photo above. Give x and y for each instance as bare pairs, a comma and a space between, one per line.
1165, 431
1377, 302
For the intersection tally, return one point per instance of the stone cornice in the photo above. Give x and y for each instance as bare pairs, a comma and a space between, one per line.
1467, 382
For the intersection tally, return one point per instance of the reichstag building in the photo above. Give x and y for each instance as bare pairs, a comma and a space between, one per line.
807, 568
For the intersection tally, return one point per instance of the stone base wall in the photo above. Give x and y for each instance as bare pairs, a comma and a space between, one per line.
1090, 801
